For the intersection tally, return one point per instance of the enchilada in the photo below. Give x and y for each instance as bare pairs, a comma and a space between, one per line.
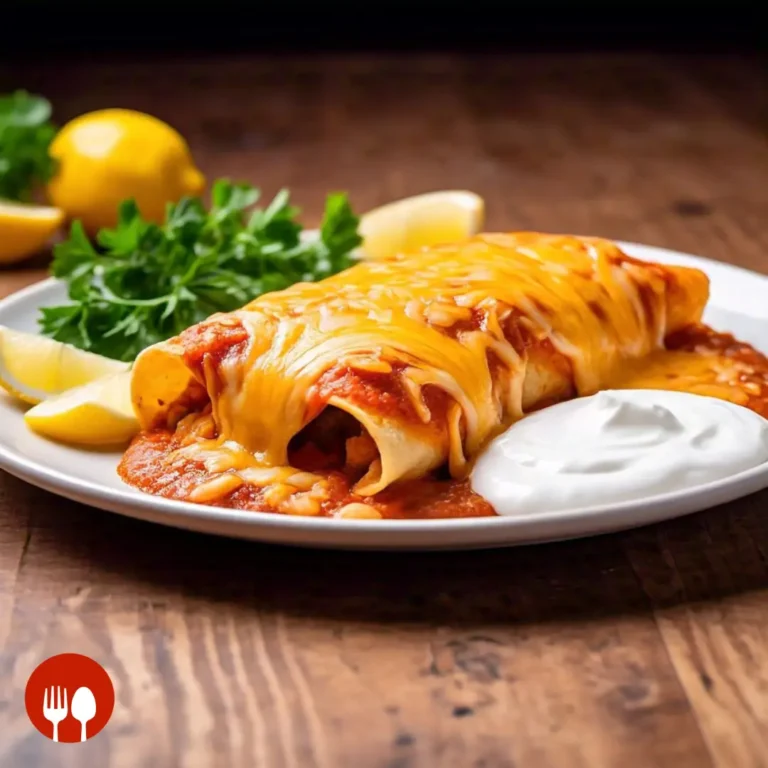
369, 393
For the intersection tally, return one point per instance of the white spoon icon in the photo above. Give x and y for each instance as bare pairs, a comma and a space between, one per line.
83, 708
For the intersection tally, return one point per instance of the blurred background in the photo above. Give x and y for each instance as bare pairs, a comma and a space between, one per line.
633, 120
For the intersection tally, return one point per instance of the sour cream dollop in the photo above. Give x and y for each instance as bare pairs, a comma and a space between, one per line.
616, 446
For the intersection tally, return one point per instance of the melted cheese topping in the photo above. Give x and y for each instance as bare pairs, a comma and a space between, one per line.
710, 375
434, 318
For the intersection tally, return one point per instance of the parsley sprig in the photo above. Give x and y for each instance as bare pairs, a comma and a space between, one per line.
25, 135
147, 282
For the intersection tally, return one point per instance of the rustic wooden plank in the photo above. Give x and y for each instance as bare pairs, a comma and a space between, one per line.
290, 657
14, 542
644, 648
708, 579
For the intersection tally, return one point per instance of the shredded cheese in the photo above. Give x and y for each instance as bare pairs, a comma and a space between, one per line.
596, 307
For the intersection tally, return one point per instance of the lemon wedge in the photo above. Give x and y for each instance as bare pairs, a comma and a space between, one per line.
99, 413
34, 367
415, 222
25, 229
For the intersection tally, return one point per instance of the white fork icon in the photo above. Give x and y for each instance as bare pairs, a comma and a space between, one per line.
55, 708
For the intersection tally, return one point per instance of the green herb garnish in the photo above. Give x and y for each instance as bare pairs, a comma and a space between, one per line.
25, 135
147, 283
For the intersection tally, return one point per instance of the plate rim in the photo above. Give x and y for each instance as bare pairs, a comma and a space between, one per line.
129, 502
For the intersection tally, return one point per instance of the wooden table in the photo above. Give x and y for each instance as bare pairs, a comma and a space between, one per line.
647, 648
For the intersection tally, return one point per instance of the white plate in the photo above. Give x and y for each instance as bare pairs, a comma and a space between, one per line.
738, 304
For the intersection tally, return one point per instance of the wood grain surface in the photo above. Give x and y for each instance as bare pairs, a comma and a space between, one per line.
646, 648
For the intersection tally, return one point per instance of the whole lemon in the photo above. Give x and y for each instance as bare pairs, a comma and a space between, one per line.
111, 155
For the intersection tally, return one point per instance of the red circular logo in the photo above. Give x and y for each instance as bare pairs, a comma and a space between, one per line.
69, 698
